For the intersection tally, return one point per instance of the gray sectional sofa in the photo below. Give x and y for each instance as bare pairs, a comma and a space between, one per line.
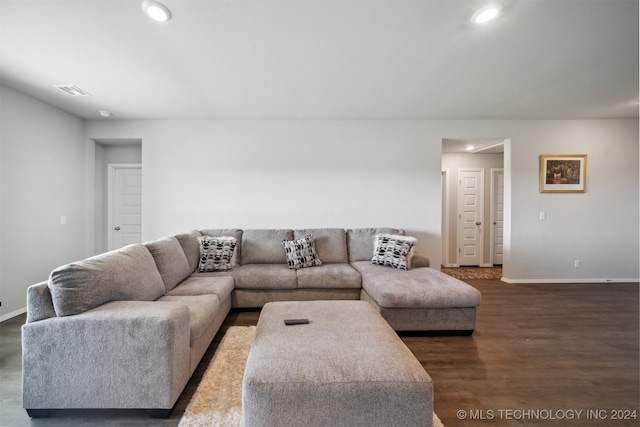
127, 328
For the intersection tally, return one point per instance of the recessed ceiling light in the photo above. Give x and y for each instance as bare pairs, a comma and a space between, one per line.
105, 113
469, 147
486, 14
156, 11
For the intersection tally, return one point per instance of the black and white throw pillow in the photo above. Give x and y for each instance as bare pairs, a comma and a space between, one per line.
392, 250
216, 253
301, 253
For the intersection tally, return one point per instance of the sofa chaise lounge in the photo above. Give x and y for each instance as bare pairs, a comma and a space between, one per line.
127, 328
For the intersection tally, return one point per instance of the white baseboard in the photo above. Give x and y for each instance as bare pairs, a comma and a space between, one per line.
456, 265
520, 281
13, 314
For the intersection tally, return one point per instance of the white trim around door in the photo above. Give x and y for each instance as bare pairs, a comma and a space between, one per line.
446, 210
497, 216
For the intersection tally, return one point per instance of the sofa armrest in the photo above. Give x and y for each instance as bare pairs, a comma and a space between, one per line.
123, 354
39, 303
419, 260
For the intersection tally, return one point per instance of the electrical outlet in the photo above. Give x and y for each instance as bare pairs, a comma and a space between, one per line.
576, 263
543, 215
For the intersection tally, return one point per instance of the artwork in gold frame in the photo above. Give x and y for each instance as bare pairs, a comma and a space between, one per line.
563, 173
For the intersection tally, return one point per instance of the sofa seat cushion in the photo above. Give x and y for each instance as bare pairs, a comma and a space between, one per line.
222, 286
265, 276
329, 276
202, 310
128, 273
417, 288
170, 261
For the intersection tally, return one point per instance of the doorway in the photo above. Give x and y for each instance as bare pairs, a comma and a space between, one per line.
109, 152
473, 202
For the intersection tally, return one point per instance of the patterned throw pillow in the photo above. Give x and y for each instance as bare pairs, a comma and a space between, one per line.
392, 250
216, 253
301, 253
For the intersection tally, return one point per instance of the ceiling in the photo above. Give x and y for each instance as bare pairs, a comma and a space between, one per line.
326, 59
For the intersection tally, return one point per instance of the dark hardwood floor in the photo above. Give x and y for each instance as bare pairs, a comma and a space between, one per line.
561, 348
542, 355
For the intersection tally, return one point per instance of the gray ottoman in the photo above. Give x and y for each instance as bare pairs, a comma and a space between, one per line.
347, 367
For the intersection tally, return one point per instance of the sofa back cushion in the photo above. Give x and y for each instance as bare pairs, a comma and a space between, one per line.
171, 261
227, 232
330, 243
191, 247
264, 246
361, 242
129, 273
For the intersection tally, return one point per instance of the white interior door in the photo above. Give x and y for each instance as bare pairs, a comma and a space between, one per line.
497, 213
445, 217
124, 220
470, 216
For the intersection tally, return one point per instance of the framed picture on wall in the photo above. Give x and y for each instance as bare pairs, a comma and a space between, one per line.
563, 173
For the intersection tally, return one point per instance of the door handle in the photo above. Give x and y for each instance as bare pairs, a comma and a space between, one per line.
478, 223
117, 228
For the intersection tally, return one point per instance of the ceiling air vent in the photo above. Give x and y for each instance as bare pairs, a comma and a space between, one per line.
73, 90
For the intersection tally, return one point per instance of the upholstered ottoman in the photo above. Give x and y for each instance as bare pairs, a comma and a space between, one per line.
346, 367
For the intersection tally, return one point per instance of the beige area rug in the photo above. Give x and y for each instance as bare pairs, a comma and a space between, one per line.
218, 399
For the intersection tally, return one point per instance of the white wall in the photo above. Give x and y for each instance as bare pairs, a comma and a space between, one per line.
251, 174
41, 179
248, 174
599, 227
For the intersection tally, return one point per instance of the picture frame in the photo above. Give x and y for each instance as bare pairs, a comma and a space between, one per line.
563, 173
